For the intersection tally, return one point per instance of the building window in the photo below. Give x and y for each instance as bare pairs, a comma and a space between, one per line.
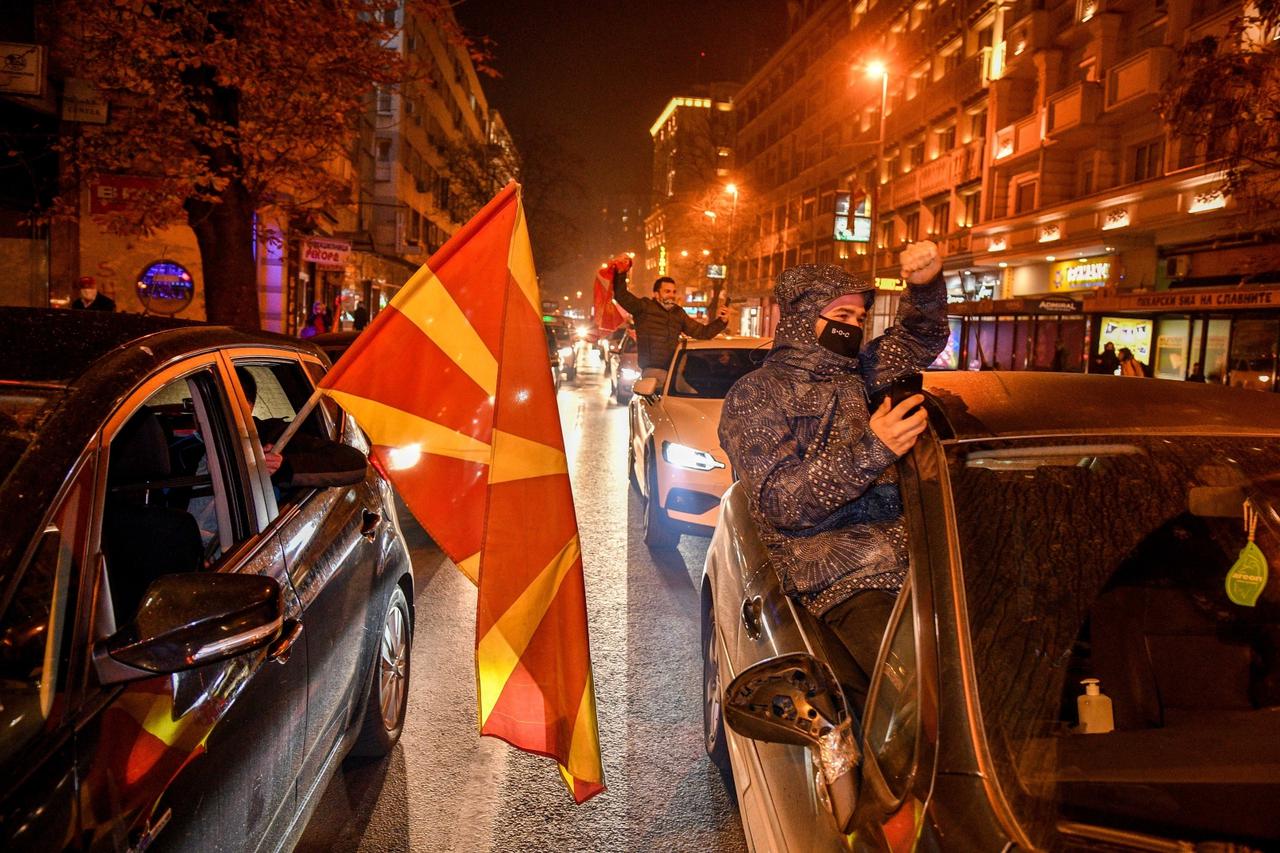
1024, 198
384, 101
946, 139
1148, 160
912, 231
1086, 183
972, 208
916, 153
941, 214
887, 234
978, 125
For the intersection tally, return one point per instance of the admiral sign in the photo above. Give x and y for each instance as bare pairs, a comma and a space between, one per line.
325, 253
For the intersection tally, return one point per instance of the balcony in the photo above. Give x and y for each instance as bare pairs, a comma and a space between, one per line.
1028, 35
1074, 111
955, 167
1018, 139
1136, 82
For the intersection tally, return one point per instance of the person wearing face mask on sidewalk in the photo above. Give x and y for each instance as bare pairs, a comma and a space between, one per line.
659, 321
89, 298
816, 460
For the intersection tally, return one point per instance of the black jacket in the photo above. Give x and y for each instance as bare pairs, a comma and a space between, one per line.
658, 329
819, 482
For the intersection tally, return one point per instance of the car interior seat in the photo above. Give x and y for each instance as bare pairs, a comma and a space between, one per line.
142, 539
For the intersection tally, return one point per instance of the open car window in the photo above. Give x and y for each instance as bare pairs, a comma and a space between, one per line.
1111, 559
710, 373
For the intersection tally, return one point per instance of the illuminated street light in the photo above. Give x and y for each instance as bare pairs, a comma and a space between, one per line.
710, 214
579, 294
684, 253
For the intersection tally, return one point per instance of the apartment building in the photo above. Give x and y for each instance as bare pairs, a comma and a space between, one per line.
1022, 138
686, 231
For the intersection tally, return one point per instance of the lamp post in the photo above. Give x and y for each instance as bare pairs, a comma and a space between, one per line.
878, 69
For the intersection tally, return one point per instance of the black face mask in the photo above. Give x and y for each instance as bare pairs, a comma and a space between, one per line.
841, 338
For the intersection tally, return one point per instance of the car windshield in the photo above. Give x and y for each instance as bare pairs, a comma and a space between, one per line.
1112, 559
710, 373
22, 411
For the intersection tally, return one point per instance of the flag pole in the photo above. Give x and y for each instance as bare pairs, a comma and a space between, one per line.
278, 445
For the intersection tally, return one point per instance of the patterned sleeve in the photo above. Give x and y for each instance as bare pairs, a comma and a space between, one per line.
913, 341
791, 491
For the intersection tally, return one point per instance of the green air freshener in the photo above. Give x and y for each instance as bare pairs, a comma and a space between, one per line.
1248, 577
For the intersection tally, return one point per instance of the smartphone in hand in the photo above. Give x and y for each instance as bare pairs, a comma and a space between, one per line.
898, 391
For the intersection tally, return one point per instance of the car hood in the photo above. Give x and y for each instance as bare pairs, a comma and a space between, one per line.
694, 421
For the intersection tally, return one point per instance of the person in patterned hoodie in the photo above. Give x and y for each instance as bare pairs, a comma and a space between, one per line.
815, 462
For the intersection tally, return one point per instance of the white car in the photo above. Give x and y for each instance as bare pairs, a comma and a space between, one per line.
674, 455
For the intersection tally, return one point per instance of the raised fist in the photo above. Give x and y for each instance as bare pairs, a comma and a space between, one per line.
921, 262
620, 264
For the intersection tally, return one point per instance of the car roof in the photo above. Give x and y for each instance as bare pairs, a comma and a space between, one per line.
968, 405
58, 346
729, 342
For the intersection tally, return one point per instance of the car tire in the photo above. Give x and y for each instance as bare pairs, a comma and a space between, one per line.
623, 397
714, 739
388, 699
658, 533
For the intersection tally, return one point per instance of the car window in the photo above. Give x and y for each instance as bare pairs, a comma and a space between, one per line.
35, 631
710, 373
174, 501
278, 390
894, 704
1125, 562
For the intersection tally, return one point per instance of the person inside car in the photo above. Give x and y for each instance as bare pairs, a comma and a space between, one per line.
660, 321
816, 460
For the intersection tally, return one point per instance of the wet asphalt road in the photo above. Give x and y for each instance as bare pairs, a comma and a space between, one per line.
444, 788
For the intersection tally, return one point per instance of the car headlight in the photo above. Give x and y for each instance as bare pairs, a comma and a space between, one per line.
688, 457
630, 374
566, 351
582, 333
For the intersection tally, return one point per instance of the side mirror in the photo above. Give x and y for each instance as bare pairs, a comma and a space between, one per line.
795, 699
189, 620
646, 387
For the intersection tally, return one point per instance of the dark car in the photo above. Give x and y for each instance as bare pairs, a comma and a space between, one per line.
1063, 531
187, 649
566, 345
622, 363
335, 344
553, 355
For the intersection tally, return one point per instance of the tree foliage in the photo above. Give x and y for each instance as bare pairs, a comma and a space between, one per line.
229, 107
1224, 98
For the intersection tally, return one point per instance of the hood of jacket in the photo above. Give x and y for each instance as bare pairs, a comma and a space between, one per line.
801, 293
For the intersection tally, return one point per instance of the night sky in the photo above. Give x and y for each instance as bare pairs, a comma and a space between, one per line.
596, 74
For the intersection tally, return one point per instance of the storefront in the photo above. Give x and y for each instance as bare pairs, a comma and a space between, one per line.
1028, 333
1228, 335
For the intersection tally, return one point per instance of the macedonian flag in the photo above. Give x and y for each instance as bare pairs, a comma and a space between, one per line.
452, 384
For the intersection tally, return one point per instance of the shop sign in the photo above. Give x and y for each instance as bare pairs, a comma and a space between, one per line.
325, 253
1058, 305
21, 69
1221, 300
117, 193
82, 102
1081, 273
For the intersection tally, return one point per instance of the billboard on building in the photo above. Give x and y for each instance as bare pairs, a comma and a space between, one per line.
852, 222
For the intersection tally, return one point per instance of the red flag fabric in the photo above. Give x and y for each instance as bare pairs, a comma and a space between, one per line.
451, 383
608, 315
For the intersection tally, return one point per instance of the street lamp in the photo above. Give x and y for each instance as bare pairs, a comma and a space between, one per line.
878, 69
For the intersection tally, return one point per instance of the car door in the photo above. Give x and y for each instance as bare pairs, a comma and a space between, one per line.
328, 538
37, 638
207, 758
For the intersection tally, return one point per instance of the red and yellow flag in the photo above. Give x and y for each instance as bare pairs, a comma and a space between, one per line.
452, 384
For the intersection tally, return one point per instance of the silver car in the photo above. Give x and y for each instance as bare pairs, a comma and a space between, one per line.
1086, 654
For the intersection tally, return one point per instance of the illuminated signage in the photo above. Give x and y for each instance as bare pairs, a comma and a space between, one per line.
715, 270
1080, 274
326, 253
1134, 333
165, 287
852, 225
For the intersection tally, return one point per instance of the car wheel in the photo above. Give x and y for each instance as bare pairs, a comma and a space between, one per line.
712, 696
388, 698
658, 534
623, 397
